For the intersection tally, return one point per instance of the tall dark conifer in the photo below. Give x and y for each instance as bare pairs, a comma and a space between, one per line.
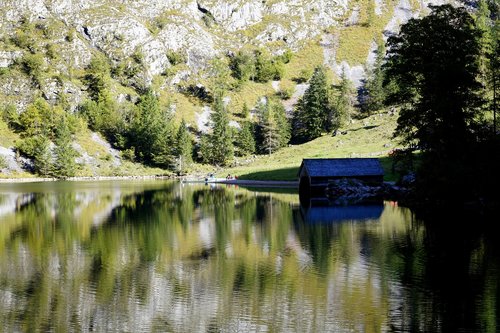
245, 140
314, 110
217, 147
64, 164
184, 148
375, 92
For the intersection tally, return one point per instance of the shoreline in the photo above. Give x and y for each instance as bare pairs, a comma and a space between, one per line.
79, 179
185, 180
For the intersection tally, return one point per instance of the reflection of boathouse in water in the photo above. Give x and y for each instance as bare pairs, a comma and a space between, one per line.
322, 211
316, 174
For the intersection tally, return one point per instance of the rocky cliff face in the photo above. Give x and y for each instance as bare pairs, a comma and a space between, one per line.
199, 30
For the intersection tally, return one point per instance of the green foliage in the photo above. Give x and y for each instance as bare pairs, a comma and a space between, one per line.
71, 34
151, 132
128, 154
267, 68
313, 114
34, 65
245, 111
245, 139
104, 116
259, 65
287, 88
97, 76
52, 51
184, 148
3, 162
176, 57
25, 36
64, 162
487, 15
220, 79
304, 75
343, 105
435, 64
243, 65
286, 57
273, 128
39, 118
374, 97
11, 116
37, 148
217, 147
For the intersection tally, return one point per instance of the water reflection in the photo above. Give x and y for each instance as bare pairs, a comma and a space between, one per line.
159, 256
321, 210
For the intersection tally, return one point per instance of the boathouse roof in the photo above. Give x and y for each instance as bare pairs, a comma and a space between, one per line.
342, 167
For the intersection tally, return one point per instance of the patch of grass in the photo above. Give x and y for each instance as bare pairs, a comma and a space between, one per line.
249, 93
257, 28
370, 137
17, 175
84, 139
355, 40
185, 107
306, 59
7, 137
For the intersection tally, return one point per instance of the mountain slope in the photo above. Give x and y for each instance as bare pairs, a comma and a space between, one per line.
171, 46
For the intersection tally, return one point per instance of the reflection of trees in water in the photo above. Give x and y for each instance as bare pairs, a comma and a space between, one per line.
194, 258
450, 275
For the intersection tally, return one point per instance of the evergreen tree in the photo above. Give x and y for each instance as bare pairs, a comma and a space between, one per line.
245, 111
42, 156
151, 132
313, 110
267, 130
64, 164
97, 77
374, 88
217, 147
184, 148
245, 139
243, 66
487, 22
282, 123
273, 128
344, 103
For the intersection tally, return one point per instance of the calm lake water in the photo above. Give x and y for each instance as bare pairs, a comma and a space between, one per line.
155, 256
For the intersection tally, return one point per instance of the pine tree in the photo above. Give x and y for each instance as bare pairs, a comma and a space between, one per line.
314, 109
374, 87
344, 103
245, 111
282, 124
64, 164
487, 22
97, 76
245, 139
218, 146
151, 132
267, 129
184, 148
42, 156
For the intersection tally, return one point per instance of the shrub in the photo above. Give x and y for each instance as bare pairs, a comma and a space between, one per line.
176, 58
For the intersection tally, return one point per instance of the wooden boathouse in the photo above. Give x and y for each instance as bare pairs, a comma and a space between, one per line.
316, 174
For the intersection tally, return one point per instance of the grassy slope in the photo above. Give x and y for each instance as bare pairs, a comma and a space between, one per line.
364, 138
7, 137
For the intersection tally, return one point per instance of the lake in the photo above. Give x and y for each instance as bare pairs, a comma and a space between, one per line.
160, 256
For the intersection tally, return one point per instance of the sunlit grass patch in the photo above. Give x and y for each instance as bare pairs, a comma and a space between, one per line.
369, 137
